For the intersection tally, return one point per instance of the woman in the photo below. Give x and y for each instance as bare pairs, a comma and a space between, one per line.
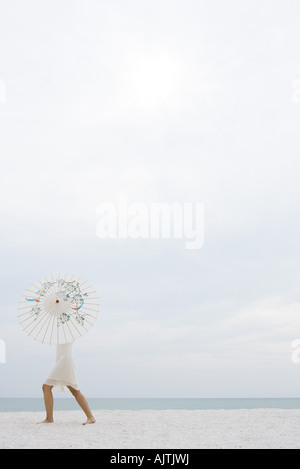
63, 377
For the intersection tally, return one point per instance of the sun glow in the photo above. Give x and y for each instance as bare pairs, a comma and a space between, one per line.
153, 81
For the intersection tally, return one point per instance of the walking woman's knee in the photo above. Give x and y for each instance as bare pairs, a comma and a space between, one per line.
46, 388
75, 392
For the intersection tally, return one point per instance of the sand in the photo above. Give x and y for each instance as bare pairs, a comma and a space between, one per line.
154, 429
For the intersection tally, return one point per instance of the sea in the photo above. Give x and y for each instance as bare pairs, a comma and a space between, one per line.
37, 404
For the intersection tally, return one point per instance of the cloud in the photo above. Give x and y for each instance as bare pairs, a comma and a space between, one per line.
259, 334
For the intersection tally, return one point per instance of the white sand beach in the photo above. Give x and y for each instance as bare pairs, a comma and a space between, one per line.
154, 429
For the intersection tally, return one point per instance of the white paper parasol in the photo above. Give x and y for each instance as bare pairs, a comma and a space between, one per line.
58, 309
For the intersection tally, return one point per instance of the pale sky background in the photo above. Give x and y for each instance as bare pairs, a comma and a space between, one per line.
164, 101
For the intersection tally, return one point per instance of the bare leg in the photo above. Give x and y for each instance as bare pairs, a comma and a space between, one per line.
83, 404
48, 399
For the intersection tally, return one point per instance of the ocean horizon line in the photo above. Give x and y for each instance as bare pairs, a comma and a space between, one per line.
36, 404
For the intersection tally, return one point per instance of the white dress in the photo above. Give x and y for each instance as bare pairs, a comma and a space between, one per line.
64, 373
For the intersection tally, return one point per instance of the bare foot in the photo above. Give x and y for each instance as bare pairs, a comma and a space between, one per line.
89, 420
46, 421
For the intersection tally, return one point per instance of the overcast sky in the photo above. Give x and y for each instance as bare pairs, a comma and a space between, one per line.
165, 101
